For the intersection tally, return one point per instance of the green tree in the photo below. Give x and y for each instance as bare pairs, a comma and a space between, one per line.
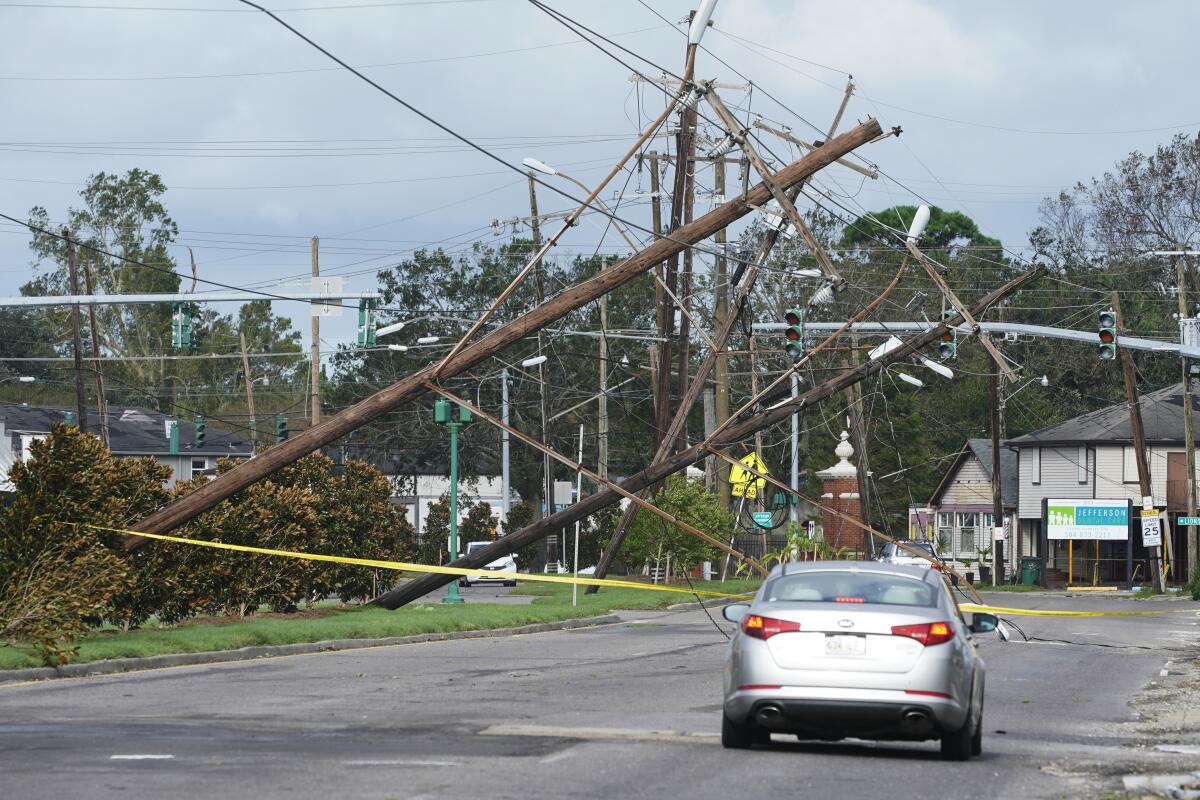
432, 548
653, 540
479, 525
57, 575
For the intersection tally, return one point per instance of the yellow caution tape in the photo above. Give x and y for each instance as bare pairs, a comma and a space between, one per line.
1031, 612
538, 578
409, 567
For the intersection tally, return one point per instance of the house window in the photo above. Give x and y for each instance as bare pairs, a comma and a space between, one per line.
1129, 467
199, 465
1082, 464
1035, 465
968, 524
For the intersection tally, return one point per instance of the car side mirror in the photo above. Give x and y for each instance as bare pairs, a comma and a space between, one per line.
735, 612
984, 623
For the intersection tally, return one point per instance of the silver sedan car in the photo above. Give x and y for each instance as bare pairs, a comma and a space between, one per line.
835, 649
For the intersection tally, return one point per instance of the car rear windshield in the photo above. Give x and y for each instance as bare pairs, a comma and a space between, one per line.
473, 546
895, 550
834, 586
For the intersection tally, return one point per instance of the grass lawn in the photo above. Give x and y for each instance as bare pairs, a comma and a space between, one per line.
552, 603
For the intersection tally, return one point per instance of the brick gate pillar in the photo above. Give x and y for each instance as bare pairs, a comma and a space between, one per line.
841, 493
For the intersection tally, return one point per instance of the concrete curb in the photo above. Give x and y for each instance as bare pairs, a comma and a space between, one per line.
713, 603
117, 665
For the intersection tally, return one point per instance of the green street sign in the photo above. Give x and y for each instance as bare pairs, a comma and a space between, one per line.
762, 519
1189, 520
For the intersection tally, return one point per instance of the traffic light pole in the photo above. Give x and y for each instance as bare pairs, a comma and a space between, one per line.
452, 595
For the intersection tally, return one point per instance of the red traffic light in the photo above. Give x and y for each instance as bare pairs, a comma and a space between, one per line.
793, 316
792, 334
1107, 337
947, 335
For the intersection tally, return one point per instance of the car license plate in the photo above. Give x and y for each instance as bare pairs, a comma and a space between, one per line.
845, 645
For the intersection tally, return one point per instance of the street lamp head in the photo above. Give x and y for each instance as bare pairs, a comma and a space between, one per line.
399, 348
920, 220
26, 379
533, 362
539, 166
429, 340
700, 21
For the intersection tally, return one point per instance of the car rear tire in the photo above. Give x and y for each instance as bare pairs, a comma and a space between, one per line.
959, 745
736, 736
977, 738
510, 583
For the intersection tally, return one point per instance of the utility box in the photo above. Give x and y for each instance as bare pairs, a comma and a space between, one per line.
1189, 332
564, 493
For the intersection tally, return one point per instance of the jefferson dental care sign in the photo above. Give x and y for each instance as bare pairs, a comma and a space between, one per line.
1092, 520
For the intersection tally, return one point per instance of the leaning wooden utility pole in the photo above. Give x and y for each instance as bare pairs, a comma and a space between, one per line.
657, 472
566, 301
97, 364
1139, 434
686, 161
1189, 437
76, 337
315, 361
720, 313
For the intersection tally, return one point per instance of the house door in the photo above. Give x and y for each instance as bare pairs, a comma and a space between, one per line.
1177, 482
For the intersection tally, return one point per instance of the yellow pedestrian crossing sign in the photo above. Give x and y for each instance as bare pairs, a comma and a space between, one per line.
745, 483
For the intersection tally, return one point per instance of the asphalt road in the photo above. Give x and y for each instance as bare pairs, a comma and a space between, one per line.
629, 710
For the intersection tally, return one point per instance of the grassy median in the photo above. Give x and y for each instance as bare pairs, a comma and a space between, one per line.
551, 603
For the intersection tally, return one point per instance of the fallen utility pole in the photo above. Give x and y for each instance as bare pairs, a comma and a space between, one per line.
485, 347
1139, 436
698, 452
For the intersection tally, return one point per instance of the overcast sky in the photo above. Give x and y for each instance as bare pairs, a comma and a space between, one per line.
264, 143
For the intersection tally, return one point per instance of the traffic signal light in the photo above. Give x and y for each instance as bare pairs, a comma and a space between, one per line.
949, 347
181, 325
794, 317
201, 432
281, 431
1108, 335
366, 321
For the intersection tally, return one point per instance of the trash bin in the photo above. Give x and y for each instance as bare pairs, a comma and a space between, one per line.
1031, 570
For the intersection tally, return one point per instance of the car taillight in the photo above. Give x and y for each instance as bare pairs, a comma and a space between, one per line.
849, 600
936, 565
765, 627
927, 633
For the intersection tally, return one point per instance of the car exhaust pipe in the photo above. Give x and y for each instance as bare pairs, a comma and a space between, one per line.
915, 719
769, 715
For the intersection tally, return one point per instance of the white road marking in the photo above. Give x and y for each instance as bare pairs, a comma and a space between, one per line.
1165, 671
620, 734
399, 762
141, 757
